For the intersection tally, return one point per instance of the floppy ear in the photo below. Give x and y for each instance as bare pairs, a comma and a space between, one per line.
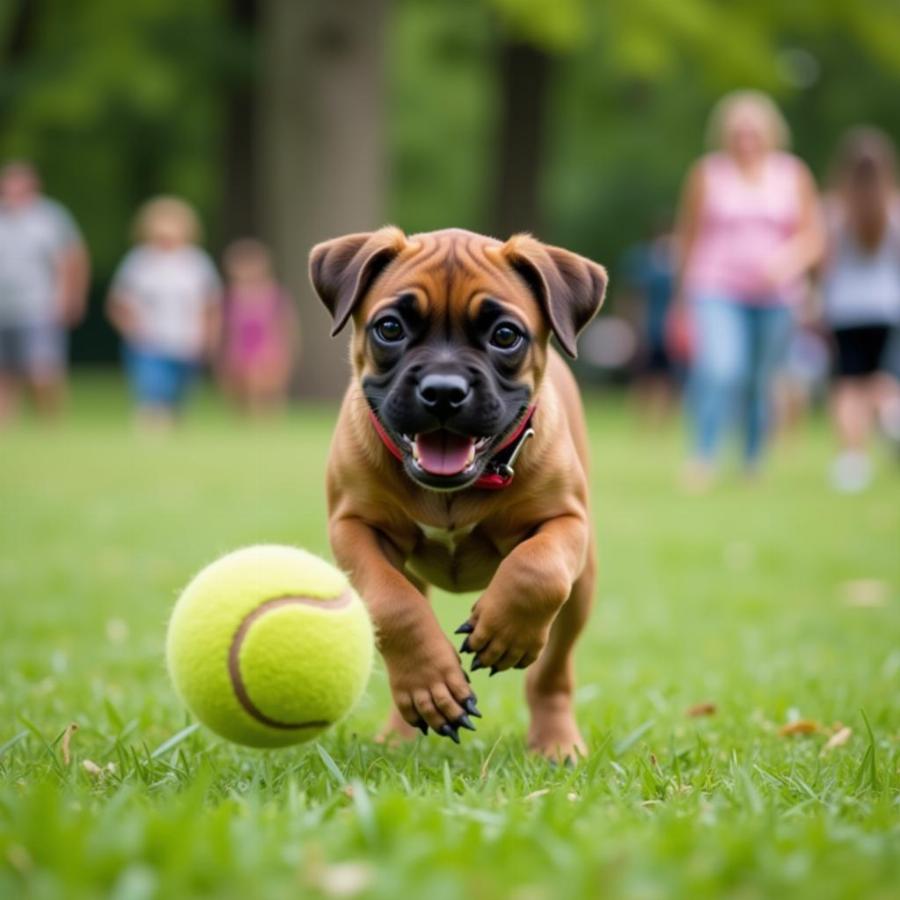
343, 269
569, 287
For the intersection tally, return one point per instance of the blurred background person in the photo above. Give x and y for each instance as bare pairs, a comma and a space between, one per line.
861, 297
261, 330
165, 302
748, 231
650, 281
44, 272
802, 381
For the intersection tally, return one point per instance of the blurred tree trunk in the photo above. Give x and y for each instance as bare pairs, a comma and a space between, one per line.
524, 76
240, 211
15, 44
320, 165
20, 28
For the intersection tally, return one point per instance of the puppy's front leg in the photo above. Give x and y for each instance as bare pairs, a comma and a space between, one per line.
427, 681
510, 623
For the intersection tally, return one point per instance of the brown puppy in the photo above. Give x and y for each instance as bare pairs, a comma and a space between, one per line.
452, 376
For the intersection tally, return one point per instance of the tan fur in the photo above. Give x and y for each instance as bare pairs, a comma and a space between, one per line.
528, 547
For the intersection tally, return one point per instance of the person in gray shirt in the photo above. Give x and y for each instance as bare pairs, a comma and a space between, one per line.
44, 273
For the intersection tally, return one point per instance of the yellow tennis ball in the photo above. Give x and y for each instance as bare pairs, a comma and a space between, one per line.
269, 646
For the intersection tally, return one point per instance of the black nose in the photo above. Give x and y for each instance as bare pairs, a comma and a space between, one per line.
443, 394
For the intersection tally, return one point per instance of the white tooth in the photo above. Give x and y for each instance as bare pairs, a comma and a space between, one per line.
471, 455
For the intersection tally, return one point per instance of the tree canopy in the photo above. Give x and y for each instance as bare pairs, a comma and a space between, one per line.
117, 101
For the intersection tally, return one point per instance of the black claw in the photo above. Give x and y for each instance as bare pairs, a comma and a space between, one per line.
476, 665
464, 722
422, 725
466, 676
449, 731
470, 707
465, 628
464, 647
494, 671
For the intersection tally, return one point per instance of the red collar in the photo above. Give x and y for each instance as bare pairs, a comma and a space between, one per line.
499, 472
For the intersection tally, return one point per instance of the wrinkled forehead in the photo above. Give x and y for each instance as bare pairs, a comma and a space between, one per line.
451, 276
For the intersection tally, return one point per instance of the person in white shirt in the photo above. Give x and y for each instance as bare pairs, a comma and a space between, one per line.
165, 302
861, 294
44, 273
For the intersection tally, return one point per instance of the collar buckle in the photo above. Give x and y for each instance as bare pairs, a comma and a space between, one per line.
505, 470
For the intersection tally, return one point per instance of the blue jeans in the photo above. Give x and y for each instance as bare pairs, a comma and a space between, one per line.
739, 348
159, 380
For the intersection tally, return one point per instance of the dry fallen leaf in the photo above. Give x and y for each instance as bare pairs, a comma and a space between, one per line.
71, 728
866, 592
345, 879
92, 768
701, 709
838, 739
800, 726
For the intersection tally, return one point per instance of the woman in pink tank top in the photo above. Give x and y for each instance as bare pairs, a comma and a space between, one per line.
749, 230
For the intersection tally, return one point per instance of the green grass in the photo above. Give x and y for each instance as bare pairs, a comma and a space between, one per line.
749, 598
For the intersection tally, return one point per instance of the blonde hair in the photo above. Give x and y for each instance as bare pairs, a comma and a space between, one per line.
777, 131
167, 215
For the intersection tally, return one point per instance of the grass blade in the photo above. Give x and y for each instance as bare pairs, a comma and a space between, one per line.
631, 739
174, 741
869, 764
332, 766
13, 741
362, 802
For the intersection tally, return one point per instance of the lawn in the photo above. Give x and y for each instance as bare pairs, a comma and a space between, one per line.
777, 603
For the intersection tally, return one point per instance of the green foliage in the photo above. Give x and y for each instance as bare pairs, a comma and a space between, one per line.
558, 26
440, 114
634, 82
116, 101
774, 601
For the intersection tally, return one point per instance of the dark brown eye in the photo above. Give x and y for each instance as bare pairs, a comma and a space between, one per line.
506, 337
390, 330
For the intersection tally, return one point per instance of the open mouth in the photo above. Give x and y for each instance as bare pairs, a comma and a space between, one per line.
443, 453
445, 460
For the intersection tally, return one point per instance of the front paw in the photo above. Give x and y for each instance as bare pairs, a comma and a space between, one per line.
502, 640
431, 690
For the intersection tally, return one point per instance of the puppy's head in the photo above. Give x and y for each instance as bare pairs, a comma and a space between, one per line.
450, 335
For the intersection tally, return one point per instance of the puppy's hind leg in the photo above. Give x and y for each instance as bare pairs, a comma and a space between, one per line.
550, 682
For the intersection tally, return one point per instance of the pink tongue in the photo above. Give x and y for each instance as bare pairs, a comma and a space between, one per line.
442, 452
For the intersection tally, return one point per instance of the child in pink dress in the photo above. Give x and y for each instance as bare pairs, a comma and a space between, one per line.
261, 330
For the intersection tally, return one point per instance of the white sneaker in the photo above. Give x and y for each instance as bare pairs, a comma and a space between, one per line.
851, 472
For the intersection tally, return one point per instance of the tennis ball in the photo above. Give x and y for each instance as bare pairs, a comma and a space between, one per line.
269, 646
